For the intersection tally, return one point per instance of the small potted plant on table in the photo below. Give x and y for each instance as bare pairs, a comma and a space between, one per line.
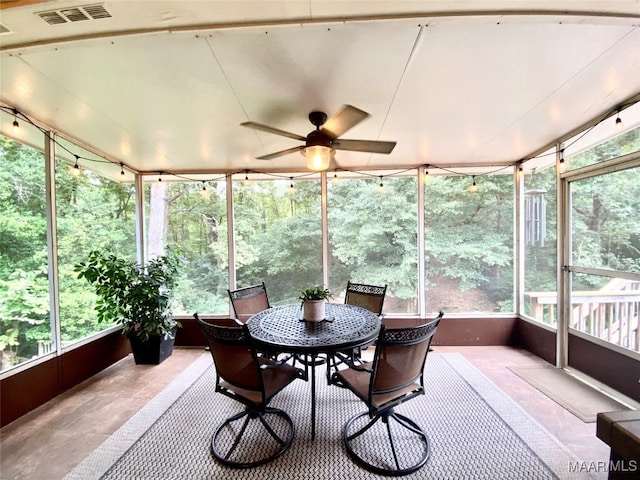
139, 298
313, 303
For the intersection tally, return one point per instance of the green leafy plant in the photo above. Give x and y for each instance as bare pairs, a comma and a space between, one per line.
138, 297
315, 293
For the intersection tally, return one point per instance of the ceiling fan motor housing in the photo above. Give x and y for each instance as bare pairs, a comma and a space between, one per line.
318, 137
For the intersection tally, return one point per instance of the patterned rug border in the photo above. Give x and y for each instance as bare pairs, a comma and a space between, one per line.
541, 442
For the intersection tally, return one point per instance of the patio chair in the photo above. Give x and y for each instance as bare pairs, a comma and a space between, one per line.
394, 377
258, 434
370, 297
366, 296
248, 301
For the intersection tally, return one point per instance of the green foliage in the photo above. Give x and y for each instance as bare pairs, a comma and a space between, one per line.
138, 297
315, 293
278, 236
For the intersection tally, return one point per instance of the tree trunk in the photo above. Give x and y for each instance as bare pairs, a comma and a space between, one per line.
158, 219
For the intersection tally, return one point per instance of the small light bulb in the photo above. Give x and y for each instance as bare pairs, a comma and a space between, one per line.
474, 186
618, 123
204, 191
76, 168
16, 125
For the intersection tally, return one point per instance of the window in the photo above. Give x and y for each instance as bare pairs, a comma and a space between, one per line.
94, 212
25, 327
469, 243
191, 218
605, 244
373, 237
278, 236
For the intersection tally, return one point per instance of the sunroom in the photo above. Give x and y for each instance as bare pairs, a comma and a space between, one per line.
510, 200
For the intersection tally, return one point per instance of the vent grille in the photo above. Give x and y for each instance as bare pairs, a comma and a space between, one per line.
75, 14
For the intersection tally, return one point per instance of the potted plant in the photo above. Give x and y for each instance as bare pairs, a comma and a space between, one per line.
138, 297
313, 303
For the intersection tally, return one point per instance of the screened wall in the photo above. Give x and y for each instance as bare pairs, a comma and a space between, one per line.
441, 239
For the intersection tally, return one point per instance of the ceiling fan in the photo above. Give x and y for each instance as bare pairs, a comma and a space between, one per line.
320, 144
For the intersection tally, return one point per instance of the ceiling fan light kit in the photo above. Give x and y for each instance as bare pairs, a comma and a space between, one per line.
321, 144
318, 157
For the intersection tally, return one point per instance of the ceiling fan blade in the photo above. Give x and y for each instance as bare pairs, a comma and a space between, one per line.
280, 153
268, 129
372, 146
344, 119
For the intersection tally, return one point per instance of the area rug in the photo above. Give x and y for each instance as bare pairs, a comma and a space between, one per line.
476, 432
576, 396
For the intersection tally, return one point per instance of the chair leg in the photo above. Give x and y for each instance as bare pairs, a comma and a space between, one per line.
272, 432
382, 461
235, 447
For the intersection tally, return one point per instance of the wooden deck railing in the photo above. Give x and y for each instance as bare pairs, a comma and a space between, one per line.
608, 315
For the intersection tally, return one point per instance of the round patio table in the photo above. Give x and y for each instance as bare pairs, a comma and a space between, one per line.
283, 329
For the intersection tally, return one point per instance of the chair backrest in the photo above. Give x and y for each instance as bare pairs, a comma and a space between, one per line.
400, 357
248, 301
233, 354
366, 296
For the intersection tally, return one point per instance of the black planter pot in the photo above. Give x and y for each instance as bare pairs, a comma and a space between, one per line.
152, 351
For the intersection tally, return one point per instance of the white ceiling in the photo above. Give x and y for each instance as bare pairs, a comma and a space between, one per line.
164, 85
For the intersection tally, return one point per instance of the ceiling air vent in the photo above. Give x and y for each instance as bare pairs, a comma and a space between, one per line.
75, 14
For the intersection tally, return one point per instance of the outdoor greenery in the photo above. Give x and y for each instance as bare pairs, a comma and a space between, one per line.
315, 293
137, 297
469, 239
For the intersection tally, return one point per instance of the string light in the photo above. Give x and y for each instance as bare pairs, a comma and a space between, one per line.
246, 178
292, 189
16, 125
76, 170
426, 173
76, 167
473, 188
618, 121
204, 191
